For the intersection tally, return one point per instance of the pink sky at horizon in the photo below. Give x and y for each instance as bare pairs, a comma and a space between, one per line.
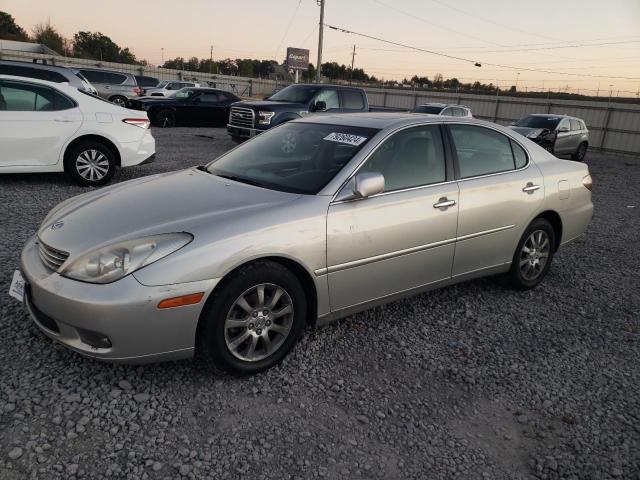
510, 33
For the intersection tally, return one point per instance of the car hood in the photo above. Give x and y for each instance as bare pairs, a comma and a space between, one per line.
270, 105
182, 201
527, 131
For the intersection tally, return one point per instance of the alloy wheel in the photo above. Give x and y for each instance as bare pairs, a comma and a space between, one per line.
119, 101
92, 165
258, 322
534, 255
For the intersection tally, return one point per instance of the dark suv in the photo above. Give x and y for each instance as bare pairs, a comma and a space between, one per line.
248, 118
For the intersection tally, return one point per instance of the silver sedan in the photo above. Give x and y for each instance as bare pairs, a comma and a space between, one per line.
306, 223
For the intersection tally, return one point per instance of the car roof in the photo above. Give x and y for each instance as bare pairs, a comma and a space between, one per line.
552, 115
381, 120
443, 105
330, 85
37, 80
98, 69
39, 66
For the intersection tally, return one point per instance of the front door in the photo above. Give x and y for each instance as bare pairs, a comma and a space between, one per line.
499, 194
565, 140
402, 238
35, 123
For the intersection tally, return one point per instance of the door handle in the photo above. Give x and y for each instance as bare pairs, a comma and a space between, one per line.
63, 119
444, 203
530, 188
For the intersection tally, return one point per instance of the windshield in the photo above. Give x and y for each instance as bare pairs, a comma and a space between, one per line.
295, 157
549, 123
162, 84
182, 93
428, 109
295, 94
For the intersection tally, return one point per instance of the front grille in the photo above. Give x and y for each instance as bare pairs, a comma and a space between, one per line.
241, 117
51, 257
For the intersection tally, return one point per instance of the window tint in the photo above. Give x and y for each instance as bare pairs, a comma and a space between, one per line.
459, 112
575, 125
38, 73
209, 98
352, 100
115, 78
481, 151
582, 124
519, 155
223, 97
409, 158
94, 76
330, 97
447, 111
431, 109
23, 97
62, 102
564, 124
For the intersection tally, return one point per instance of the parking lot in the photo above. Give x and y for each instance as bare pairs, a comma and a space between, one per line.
471, 381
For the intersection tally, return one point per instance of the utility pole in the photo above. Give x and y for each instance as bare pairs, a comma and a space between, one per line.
162, 54
211, 61
598, 91
320, 32
353, 58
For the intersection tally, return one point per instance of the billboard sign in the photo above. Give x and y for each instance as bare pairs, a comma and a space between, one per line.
297, 59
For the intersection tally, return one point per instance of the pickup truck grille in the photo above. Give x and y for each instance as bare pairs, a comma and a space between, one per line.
241, 117
52, 258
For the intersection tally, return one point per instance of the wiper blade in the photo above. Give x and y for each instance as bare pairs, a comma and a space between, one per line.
235, 178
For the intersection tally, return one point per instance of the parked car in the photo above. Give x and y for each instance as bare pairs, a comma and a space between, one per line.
167, 87
444, 109
311, 221
249, 118
559, 134
116, 87
54, 127
146, 82
51, 73
198, 107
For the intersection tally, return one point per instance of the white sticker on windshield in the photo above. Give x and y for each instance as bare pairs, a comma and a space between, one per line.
347, 138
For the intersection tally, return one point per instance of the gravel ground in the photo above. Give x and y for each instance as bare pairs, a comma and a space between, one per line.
472, 381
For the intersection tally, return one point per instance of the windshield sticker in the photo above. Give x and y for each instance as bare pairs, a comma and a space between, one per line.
347, 138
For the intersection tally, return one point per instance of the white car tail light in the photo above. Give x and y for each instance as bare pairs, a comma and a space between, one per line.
587, 182
138, 122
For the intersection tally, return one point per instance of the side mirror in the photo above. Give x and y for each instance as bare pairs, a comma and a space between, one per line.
363, 185
319, 106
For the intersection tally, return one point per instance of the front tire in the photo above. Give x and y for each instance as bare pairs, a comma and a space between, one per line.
90, 163
252, 320
532, 258
580, 153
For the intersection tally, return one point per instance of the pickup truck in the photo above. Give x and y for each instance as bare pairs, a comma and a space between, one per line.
249, 118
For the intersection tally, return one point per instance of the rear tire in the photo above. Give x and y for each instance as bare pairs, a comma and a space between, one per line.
580, 153
90, 163
252, 320
164, 119
532, 258
119, 100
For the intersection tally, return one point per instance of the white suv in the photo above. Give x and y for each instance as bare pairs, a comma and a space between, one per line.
444, 109
166, 88
53, 127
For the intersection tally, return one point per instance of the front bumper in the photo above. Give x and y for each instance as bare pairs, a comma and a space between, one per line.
125, 312
242, 132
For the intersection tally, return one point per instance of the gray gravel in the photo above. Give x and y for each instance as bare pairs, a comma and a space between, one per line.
472, 381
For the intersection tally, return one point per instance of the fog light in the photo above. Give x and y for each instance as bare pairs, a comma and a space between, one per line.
95, 339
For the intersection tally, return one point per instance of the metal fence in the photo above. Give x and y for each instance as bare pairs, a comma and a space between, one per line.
614, 128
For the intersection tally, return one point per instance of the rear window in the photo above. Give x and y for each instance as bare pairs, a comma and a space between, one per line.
575, 125
39, 73
352, 100
433, 110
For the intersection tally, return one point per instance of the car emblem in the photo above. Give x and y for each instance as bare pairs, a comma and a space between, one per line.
57, 225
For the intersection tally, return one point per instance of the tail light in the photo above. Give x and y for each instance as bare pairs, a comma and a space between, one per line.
587, 182
137, 91
138, 122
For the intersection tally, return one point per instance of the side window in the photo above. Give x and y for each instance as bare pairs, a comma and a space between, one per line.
209, 98
174, 86
352, 100
410, 158
582, 125
330, 97
223, 97
481, 151
519, 155
93, 76
62, 102
23, 97
575, 125
564, 125
115, 78
447, 112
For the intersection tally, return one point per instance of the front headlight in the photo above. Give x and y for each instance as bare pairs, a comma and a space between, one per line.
264, 118
111, 263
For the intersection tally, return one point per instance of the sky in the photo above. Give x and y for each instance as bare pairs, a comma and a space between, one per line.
599, 40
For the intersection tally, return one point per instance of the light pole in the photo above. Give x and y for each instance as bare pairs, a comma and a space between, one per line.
320, 32
517, 78
610, 91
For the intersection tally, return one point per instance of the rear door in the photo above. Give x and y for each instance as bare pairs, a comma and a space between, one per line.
500, 191
35, 123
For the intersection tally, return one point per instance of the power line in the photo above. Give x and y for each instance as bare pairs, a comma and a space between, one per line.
475, 62
286, 31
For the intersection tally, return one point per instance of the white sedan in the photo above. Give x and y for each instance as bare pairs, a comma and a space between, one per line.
53, 127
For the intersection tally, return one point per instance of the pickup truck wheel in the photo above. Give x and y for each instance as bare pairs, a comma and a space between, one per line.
252, 320
90, 163
164, 119
580, 153
118, 100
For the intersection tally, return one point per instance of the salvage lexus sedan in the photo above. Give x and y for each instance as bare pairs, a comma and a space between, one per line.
308, 222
